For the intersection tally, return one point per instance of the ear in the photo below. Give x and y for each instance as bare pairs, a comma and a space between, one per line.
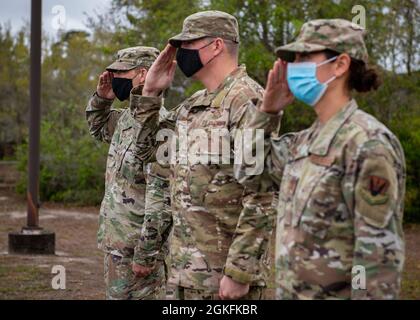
342, 64
143, 74
140, 78
219, 45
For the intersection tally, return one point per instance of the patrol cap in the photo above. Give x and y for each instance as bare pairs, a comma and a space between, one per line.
130, 58
208, 24
338, 35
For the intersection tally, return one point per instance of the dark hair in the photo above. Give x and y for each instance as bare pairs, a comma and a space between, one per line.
362, 77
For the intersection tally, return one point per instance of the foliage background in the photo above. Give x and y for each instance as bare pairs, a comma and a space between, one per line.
73, 164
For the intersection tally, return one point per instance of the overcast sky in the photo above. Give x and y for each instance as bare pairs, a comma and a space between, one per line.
17, 13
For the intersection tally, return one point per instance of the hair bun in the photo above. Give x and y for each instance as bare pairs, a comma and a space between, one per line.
363, 78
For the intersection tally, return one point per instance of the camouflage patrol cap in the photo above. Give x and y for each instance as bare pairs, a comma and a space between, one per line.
130, 58
335, 34
208, 24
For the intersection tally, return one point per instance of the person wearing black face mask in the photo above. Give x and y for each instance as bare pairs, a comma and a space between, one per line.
123, 207
189, 60
118, 83
123, 86
219, 237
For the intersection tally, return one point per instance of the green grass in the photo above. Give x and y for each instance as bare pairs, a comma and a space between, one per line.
410, 287
20, 282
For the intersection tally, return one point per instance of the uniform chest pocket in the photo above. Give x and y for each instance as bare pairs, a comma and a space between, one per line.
285, 203
224, 191
212, 142
320, 201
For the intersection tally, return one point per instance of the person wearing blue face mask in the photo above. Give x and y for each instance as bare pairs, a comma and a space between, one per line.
341, 181
303, 81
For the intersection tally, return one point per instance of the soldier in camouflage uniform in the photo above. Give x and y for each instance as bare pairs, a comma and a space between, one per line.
221, 229
342, 181
122, 209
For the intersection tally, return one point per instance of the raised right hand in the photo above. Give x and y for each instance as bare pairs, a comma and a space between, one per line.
104, 88
277, 94
161, 74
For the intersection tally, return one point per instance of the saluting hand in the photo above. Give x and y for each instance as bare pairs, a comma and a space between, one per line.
277, 94
161, 74
104, 88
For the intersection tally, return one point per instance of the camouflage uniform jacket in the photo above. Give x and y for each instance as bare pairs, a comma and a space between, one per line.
340, 206
122, 209
218, 224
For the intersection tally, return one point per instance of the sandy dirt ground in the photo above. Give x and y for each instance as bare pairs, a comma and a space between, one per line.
30, 277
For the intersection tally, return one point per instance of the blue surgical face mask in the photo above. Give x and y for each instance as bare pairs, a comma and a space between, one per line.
303, 82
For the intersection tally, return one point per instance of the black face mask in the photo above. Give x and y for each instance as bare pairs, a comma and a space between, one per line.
189, 60
122, 88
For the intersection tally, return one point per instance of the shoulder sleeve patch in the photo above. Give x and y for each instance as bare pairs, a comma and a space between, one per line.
376, 191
